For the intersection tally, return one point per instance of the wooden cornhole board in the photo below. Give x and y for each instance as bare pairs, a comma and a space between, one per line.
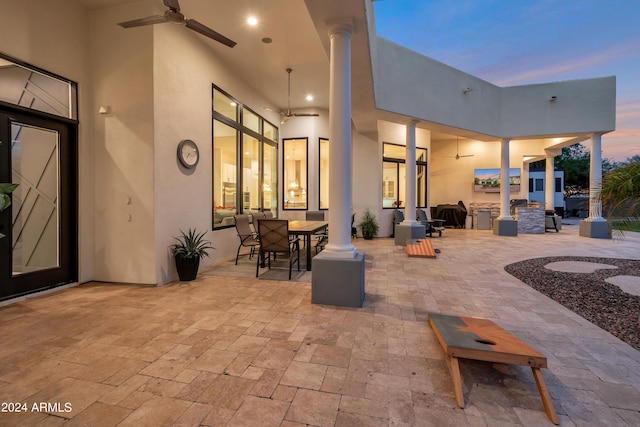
421, 248
482, 339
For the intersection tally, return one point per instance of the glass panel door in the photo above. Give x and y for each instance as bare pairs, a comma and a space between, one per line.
40, 250
35, 225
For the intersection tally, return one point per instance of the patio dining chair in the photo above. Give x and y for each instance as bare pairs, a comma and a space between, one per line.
274, 238
255, 217
314, 216
320, 239
248, 238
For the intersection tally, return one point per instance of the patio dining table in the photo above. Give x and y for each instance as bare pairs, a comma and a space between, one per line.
306, 229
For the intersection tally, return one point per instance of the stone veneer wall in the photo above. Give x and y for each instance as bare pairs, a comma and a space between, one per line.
473, 208
530, 220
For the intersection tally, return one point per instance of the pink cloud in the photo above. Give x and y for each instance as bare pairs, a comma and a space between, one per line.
514, 75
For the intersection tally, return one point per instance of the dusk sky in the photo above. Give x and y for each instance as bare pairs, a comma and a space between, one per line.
513, 42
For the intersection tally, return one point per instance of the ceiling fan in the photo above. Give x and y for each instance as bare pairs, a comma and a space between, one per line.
286, 115
174, 16
458, 153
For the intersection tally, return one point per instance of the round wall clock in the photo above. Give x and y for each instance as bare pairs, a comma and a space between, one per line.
188, 153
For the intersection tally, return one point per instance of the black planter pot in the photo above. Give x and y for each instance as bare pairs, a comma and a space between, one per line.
367, 237
187, 268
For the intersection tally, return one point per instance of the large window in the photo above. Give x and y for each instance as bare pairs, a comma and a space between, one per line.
245, 166
294, 162
323, 167
394, 175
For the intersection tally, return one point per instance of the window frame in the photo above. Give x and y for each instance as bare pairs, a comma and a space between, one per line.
402, 161
285, 190
241, 130
328, 146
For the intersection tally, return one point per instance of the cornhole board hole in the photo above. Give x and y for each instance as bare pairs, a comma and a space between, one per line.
481, 339
421, 248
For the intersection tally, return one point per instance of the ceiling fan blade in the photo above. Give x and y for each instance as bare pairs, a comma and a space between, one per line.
194, 25
306, 114
284, 119
172, 4
149, 20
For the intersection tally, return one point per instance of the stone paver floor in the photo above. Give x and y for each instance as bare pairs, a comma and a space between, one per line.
240, 351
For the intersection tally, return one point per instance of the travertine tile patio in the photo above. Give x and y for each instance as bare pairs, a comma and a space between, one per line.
241, 351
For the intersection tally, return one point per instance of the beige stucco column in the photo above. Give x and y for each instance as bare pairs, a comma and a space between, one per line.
339, 245
505, 192
505, 224
410, 175
595, 179
550, 180
595, 225
338, 271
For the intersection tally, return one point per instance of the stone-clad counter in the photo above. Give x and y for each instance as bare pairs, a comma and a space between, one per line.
531, 218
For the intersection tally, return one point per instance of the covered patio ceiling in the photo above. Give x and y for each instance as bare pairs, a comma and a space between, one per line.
299, 40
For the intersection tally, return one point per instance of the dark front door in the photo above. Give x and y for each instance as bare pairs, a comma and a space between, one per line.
39, 250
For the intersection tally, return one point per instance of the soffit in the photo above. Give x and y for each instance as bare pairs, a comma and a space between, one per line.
295, 44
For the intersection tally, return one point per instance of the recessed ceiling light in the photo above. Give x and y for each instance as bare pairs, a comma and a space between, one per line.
252, 21
267, 40
309, 97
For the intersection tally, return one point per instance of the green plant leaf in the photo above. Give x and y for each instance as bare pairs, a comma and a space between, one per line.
7, 187
191, 244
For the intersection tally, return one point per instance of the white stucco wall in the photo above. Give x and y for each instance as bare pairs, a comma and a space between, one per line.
414, 85
123, 141
411, 84
367, 179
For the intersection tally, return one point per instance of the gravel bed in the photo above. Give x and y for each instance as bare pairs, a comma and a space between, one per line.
587, 294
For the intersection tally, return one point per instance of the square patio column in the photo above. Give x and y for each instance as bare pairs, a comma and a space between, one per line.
338, 271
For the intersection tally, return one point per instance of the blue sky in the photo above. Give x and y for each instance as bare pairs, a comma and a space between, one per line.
517, 42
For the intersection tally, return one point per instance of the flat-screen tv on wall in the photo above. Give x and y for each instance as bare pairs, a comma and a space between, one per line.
488, 180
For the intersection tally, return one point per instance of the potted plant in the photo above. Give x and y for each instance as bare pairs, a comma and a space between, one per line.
369, 225
5, 200
187, 251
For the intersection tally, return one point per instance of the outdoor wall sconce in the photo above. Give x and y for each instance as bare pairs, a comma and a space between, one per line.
105, 109
467, 89
553, 98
